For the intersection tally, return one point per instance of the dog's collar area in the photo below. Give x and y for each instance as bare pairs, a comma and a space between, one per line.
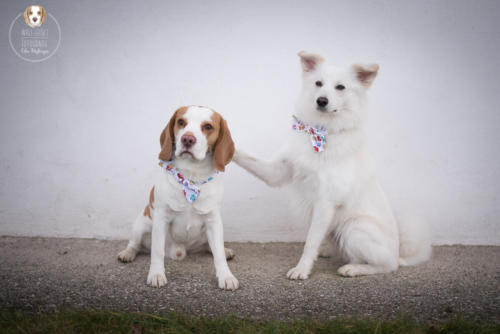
318, 135
190, 188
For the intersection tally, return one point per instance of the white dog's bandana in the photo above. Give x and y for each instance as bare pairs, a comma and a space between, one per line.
191, 189
318, 135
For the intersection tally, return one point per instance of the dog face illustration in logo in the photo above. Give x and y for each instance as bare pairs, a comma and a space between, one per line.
35, 16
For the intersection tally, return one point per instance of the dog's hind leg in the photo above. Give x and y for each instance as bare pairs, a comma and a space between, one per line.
141, 227
274, 173
329, 249
368, 249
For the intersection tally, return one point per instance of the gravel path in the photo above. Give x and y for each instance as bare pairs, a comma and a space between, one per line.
50, 274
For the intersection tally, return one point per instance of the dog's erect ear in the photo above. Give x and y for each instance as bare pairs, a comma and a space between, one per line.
309, 61
44, 15
224, 147
167, 139
365, 73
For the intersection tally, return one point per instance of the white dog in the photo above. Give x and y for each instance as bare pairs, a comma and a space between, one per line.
328, 165
183, 213
34, 16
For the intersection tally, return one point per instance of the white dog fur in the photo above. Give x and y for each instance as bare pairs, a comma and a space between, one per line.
169, 220
337, 189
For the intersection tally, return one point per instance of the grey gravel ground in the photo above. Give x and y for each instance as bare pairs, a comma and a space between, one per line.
48, 274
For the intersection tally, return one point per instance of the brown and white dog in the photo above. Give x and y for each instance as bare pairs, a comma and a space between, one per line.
34, 16
197, 142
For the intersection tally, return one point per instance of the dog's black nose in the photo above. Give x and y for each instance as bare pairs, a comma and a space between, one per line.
188, 140
322, 101
35, 19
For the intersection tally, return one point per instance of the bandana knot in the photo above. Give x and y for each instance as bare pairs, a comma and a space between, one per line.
190, 188
318, 135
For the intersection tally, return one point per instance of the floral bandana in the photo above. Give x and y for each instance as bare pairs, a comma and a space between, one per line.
191, 189
318, 136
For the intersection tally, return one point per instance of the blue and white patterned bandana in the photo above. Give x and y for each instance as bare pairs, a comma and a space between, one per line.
191, 189
318, 135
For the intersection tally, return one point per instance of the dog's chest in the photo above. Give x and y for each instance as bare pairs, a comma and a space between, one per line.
325, 180
330, 174
187, 226
174, 198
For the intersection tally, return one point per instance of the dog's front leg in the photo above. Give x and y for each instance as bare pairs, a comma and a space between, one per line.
274, 173
156, 276
215, 236
322, 218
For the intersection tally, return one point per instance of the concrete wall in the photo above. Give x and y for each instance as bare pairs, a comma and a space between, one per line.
79, 132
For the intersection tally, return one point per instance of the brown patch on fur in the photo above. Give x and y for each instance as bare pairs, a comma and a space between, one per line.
26, 13
220, 141
44, 15
213, 134
167, 137
147, 209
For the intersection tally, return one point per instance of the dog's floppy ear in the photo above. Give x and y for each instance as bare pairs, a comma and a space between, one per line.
224, 147
167, 139
365, 73
309, 61
44, 15
26, 18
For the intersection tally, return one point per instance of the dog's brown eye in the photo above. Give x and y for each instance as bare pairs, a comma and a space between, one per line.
319, 83
30, 13
181, 122
340, 87
39, 13
207, 127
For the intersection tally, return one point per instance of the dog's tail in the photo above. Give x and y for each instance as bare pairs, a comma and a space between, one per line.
414, 242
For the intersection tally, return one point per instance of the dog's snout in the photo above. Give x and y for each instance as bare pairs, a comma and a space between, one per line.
35, 19
322, 101
188, 140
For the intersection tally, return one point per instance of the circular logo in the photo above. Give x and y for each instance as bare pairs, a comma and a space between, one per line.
34, 35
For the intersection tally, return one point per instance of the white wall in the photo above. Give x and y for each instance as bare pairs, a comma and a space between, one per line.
79, 132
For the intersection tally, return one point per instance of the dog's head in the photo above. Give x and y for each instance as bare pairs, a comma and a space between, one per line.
195, 132
35, 16
331, 94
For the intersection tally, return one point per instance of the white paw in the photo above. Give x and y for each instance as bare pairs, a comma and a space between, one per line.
127, 255
299, 272
349, 270
228, 282
229, 253
157, 279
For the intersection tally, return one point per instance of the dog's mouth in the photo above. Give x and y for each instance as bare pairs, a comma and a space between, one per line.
189, 155
325, 110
